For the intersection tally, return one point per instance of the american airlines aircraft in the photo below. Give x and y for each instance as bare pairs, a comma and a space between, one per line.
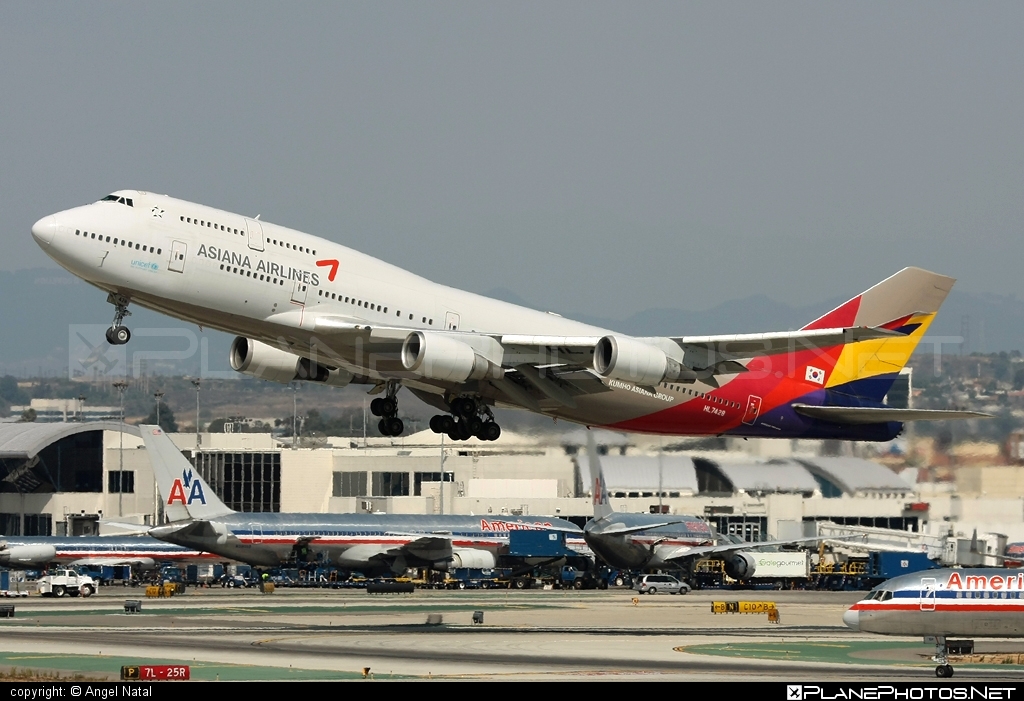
650, 541
368, 543
304, 308
975, 603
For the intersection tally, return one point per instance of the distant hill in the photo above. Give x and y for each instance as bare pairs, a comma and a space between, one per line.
45, 309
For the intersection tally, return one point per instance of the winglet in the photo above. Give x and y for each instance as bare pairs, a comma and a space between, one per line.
183, 491
602, 507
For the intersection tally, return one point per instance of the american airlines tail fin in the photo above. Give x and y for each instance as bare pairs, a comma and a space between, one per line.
602, 507
183, 491
905, 305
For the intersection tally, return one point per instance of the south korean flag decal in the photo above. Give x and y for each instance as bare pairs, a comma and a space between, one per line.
815, 375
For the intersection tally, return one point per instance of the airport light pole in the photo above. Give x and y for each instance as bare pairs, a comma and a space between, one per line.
121, 386
81, 407
159, 395
295, 415
196, 383
157, 505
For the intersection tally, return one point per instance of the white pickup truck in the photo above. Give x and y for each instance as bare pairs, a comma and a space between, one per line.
66, 583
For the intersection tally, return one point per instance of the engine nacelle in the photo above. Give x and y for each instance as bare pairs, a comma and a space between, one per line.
27, 555
440, 357
477, 559
740, 566
623, 358
268, 363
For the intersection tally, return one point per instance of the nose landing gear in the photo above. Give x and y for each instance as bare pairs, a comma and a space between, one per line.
944, 669
117, 334
386, 407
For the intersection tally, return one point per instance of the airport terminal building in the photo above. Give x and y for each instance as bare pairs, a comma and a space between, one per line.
83, 478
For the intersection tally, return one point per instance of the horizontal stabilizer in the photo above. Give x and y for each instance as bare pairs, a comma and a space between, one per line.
879, 415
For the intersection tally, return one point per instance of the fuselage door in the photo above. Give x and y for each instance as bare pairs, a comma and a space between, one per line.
752, 410
257, 532
451, 321
928, 593
255, 230
299, 292
177, 264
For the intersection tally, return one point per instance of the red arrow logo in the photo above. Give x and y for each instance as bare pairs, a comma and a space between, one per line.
333, 264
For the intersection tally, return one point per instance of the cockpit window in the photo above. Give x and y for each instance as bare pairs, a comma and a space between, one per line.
119, 200
886, 595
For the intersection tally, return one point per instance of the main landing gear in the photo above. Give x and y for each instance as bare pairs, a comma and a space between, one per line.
117, 334
469, 418
386, 407
944, 669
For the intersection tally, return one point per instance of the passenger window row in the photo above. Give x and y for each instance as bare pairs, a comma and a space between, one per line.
241, 232
219, 227
248, 273
334, 296
119, 200
703, 395
300, 249
116, 241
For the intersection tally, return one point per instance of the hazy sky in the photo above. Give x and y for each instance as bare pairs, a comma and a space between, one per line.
594, 157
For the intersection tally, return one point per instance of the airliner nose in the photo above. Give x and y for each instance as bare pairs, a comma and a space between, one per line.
44, 229
852, 619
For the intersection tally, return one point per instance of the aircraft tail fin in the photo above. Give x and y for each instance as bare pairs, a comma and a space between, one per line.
602, 506
906, 304
183, 491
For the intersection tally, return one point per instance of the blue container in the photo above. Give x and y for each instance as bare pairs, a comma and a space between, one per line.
5, 580
538, 544
888, 565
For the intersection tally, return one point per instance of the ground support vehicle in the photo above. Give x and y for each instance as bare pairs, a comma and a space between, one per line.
661, 583
66, 583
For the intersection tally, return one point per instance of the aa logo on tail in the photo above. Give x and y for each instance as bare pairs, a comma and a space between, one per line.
183, 484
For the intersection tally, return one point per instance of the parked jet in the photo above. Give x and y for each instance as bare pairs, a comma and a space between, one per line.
363, 542
304, 308
642, 541
939, 604
35, 552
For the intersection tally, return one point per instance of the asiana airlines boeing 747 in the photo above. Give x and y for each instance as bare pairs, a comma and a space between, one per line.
305, 308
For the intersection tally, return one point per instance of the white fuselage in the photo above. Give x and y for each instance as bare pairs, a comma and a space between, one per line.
258, 279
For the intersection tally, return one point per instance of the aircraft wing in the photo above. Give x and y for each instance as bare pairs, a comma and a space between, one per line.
144, 562
751, 345
703, 551
529, 369
874, 415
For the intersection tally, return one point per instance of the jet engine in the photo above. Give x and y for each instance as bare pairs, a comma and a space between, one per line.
440, 357
624, 358
479, 559
26, 555
268, 363
740, 566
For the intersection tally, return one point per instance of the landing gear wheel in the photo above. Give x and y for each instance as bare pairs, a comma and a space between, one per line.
376, 407
463, 431
490, 431
395, 426
118, 336
435, 423
383, 427
944, 671
464, 407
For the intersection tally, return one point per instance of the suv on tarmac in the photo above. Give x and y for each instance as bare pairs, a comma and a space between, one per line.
664, 583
